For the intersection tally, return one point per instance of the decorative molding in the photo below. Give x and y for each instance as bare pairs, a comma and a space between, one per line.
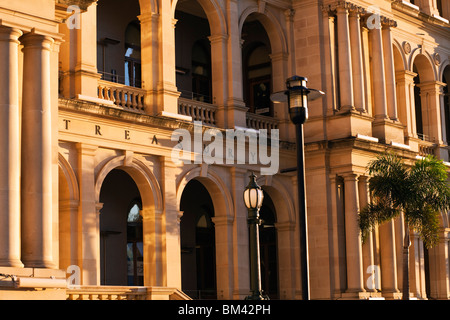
364, 12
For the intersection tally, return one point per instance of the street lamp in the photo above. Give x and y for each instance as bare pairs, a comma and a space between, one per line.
297, 95
253, 198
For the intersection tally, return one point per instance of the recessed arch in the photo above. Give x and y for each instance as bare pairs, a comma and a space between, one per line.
145, 180
272, 26
216, 187
214, 14
280, 197
400, 60
444, 71
424, 64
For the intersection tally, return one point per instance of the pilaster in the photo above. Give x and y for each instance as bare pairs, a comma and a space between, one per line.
88, 253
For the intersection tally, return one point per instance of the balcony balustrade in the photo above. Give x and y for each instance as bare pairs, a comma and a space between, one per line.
124, 293
198, 110
124, 97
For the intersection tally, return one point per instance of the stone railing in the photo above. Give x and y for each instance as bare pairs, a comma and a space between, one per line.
199, 111
257, 122
124, 293
124, 97
427, 148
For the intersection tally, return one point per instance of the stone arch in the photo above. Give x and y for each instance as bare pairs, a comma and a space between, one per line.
425, 66
444, 70
280, 196
68, 202
286, 235
400, 60
223, 221
145, 180
152, 209
272, 26
214, 13
71, 178
216, 187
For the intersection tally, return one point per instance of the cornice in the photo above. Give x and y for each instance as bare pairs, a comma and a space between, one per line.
364, 12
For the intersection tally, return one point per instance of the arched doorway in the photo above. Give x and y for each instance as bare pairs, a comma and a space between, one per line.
446, 101
193, 52
121, 235
257, 67
268, 249
197, 233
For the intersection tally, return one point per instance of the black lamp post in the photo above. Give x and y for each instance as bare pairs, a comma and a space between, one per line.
297, 96
253, 198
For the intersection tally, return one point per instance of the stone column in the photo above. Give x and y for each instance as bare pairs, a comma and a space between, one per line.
167, 91
285, 241
36, 152
353, 235
379, 80
239, 178
345, 60
171, 226
219, 75
357, 61
367, 248
224, 261
388, 260
391, 96
10, 148
336, 207
84, 49
405, 81
88, 255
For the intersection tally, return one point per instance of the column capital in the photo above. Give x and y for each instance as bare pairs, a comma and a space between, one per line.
363, 178
36, 40
222, 221
350, 176
10, 34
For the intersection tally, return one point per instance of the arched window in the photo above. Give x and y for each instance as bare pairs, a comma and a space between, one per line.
259, 73
418, 106
257, 67
201, 72
446, 106
133, 55
135, 250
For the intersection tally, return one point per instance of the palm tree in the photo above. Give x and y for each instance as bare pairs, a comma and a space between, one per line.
420, 192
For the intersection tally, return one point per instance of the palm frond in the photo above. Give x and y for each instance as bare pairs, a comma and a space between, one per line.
420, 192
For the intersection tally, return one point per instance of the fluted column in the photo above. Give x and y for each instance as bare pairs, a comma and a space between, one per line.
345, 60
391, 96
405, 84
36, 152
10, 149
353, 235
357, 61
367, 248
379, 80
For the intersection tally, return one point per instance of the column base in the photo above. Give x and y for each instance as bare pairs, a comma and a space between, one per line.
13, 263
361, 295
393, 295
42, 264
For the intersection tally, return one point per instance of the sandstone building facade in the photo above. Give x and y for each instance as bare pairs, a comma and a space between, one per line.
93, 204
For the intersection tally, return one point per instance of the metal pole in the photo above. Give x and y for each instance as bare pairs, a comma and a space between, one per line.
255, 266
302, 211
